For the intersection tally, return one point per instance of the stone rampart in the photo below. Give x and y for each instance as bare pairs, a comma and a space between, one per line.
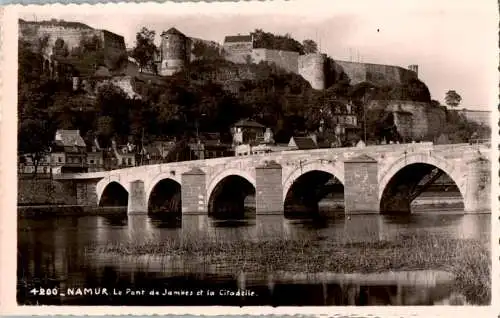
71, 35
378, 74
286, 60
478, 116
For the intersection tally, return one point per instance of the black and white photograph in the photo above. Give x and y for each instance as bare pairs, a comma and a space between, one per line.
313, 153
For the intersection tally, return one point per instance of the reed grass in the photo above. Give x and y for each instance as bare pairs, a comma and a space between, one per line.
468, 260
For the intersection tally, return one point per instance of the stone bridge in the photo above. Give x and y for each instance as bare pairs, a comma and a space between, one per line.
373, 179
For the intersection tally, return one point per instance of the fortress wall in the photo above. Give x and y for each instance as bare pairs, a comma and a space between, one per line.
238, 58
437, 120
287, 60
312, 68
477, 116
113, 43
425, 119
71, 36
378, 74
238, 52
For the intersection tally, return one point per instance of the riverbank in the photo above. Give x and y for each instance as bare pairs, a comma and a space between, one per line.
33, 211
468, 261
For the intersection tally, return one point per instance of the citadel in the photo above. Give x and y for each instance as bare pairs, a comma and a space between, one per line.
176, 48
176, 52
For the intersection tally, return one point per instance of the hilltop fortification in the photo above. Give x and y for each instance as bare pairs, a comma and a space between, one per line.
240, 49
71, 33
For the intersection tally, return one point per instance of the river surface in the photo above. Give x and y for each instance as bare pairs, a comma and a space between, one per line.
53, 253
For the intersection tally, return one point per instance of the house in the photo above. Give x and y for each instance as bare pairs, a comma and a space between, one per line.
26, 165
210, 146
150, 154
164, 147
247, 131
247, 150
125, 155
95, 157
68, 152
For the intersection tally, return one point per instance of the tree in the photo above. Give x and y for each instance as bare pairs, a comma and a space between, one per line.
145, 48
452, 98
310, 46
204, 51
60, 48
34, 138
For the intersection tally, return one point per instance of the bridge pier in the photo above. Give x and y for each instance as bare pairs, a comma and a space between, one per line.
137, 198
193, 193
477, 197
361, 185
269, 189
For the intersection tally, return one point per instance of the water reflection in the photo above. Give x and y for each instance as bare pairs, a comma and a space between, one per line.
54, 252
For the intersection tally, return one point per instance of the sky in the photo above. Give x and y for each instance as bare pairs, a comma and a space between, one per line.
454, 42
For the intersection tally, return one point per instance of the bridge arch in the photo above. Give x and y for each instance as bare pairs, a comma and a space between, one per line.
164, 194
114, 194
423, 161
228, 191
312, 185
159, 177
336, 169
226, 173
103, 184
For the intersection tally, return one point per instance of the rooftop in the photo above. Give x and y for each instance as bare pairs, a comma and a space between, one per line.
303, 143
248, 123
69, 138
172, 31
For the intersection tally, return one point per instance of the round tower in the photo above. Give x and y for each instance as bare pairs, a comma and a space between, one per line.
312, 69
174, 51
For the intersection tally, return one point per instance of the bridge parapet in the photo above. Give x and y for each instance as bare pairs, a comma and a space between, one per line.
388, 159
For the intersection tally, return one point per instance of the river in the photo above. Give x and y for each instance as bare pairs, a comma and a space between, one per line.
53, 253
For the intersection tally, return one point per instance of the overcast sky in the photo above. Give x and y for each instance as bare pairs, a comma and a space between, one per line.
454, 42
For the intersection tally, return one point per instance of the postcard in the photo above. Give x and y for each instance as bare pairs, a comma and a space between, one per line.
274, 157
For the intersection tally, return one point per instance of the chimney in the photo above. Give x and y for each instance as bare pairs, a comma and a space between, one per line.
76, 83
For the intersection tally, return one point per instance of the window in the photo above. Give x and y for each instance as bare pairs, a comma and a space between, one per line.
129, 161
59, 159
92, 161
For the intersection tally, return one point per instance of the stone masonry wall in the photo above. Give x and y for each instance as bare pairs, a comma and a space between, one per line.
31, 32
361, 186
287, 60
193, 193
269, 189
378, 74
311, 68
45, 191
86, 193
426, 120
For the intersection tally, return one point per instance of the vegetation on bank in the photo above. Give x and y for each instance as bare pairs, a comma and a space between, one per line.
468, 260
